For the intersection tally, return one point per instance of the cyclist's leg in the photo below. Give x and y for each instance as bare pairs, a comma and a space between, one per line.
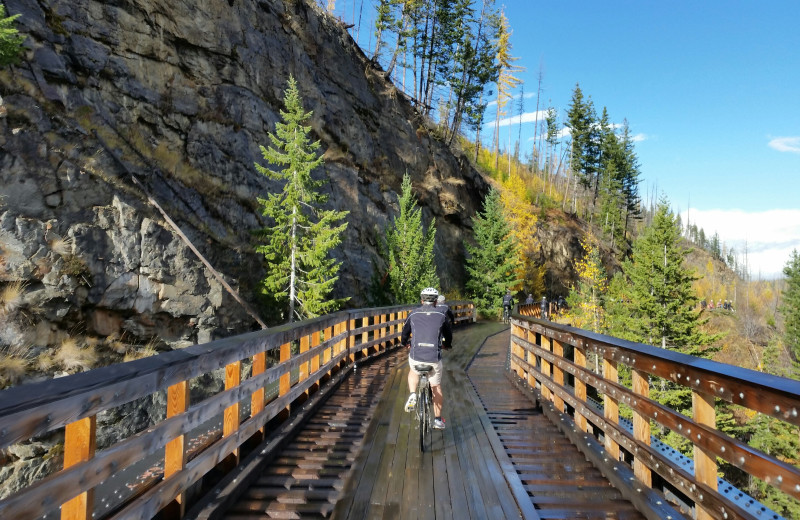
438, 400
436, 388
413, 381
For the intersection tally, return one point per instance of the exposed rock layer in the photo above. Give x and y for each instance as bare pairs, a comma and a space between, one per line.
180, 96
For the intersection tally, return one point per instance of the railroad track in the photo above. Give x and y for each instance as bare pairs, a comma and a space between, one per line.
306, 478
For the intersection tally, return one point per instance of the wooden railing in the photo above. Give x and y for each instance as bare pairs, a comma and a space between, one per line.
293, 360
552, 359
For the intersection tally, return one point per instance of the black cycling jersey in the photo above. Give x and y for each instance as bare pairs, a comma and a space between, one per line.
429, 329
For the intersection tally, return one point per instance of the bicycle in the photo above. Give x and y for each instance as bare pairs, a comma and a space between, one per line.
506, 317
424, 406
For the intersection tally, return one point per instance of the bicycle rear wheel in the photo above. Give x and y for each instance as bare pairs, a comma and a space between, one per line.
426, 421
423, 417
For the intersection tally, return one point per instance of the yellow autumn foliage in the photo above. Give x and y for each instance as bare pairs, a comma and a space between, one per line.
590, 289
522, 221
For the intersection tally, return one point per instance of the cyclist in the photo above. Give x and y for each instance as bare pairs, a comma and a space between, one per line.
508, 302
450, 316
430, 331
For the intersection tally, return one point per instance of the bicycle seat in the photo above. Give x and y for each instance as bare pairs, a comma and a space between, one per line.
424, 369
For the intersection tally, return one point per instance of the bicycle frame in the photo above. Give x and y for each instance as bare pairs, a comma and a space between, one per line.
424, 410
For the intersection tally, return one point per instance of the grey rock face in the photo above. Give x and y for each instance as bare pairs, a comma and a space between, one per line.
180, 96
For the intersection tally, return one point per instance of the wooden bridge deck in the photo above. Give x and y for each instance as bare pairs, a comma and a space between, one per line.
498, 457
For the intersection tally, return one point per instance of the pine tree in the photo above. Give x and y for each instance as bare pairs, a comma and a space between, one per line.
10, 40
409, 250
662, 303
790, 306
302, 234
491, 263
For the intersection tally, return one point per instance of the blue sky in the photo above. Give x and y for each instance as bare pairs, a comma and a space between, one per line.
710, 90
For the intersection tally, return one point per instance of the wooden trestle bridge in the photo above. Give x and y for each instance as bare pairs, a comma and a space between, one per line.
310, 424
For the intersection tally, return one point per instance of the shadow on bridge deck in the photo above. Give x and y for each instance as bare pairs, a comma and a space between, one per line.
497, 458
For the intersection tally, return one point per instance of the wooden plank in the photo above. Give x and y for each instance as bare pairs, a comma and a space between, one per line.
705, 463
393, 415
175, 450
641, 427
358, 489
80, 442
610, 407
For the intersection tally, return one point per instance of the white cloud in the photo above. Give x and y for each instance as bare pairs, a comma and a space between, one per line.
785, 144
768, 236
527, 117
638, 138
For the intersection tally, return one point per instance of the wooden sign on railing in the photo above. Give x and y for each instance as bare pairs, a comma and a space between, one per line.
543, 353
326, 346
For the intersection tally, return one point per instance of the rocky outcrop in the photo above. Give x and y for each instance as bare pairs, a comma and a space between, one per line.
120, 105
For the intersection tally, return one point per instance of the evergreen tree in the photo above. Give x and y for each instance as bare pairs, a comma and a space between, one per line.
585, 148
302, 234
790, 306
661, 306
492, 261
782, 441
409, 250
10, 40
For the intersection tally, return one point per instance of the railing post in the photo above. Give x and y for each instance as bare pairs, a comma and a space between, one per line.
705, 463
546, 368
315, 341
611, 406
365, 335
80, 441
175, 450
580, 388
330, 351
384, 332
514, 366
258, 399
351, 348
558, 374
230, 422
285, 382
305, 342
641, 426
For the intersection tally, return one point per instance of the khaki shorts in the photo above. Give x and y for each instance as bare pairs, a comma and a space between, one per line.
434, 377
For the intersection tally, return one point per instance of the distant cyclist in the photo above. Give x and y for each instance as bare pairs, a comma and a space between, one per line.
508, 302
449, 313
430, 331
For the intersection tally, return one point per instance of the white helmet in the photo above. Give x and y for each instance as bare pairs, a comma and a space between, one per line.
429, 295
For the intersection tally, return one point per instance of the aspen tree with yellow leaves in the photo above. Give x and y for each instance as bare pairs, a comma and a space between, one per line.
506, 81
586, 299
522, 222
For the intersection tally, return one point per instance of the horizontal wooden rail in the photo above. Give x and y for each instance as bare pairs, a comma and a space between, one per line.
552, 358
325, 345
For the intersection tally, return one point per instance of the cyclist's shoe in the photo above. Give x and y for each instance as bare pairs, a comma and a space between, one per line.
438, 424
411, 403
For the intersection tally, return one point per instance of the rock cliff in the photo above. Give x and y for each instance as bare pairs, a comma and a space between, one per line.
124, 106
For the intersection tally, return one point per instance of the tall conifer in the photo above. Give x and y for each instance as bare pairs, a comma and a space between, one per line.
10, 40
409, 250
662, 303
492, 262
790, 307
301, 233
